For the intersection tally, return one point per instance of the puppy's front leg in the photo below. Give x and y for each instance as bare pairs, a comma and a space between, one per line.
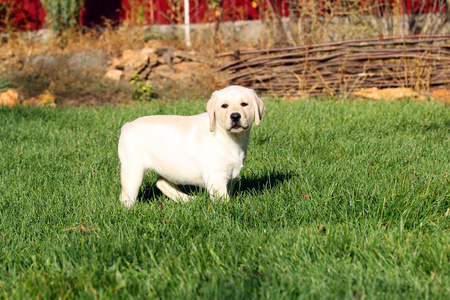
131, 178
217, 187
231, 185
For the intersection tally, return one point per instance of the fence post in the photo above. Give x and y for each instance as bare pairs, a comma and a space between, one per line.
187, 29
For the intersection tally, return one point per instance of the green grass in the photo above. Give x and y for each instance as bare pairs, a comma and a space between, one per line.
336, 200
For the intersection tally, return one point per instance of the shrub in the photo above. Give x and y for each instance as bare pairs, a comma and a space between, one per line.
62, 14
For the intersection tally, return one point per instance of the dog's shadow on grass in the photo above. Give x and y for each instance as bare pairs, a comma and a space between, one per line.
259, 184
149, 193
256, 184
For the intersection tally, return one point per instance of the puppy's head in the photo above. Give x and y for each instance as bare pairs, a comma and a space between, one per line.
234, 108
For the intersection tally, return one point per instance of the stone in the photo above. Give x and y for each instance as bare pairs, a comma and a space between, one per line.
9, 98
114, 74
151, 54
44, 99
133, 63
441, 96
388, 94
86, 61
43, 61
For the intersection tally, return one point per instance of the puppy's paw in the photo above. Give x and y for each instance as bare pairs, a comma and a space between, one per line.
127, 203
183, 198
214, 198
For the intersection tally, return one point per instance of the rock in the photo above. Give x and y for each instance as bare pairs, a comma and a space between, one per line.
441, 95
9, 98
190, 56
148, 51
131, 63
166, 53
44, 99
43, 61
86, 61
151, 62
134, 61
163, 71
161, 61
177, 60
388, 94
115, 63
182, 70
151, 54
114, 74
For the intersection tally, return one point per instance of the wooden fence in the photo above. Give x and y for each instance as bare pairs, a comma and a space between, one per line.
418, 62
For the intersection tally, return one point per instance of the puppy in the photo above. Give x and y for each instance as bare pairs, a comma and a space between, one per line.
206, 150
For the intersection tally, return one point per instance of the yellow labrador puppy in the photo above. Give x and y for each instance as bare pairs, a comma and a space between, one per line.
206, 150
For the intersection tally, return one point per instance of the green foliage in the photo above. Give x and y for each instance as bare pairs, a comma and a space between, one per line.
5, 83
62, 14
142, 91
136, 12
212, 3
336, 200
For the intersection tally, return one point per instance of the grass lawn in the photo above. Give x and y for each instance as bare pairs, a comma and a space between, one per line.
337, 199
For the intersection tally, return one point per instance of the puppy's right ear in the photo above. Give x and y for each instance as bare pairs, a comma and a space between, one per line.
210, 108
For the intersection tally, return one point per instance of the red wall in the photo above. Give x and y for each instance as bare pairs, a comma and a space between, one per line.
22, 14
30, 15
160, 12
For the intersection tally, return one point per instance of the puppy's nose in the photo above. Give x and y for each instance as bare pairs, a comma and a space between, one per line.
235, 117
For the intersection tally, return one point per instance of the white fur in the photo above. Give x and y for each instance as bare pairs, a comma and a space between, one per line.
207, 150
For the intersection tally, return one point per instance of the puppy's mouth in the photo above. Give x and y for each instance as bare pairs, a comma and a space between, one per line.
237, 127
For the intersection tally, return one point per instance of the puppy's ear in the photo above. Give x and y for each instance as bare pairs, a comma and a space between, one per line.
210, 108
260, 108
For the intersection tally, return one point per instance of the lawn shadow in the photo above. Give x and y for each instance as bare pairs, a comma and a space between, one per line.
150, 193
260, 183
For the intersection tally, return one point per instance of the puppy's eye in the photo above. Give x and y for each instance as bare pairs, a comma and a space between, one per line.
244, 104
225, 105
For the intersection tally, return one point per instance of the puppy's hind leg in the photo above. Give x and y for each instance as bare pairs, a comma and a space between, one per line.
170, 190
131, 178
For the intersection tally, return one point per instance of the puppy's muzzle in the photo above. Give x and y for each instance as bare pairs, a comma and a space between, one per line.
236, 123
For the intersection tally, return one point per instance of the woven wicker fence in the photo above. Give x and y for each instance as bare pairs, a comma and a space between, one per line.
418, 62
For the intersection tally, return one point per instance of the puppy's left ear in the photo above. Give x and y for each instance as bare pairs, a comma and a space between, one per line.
260, 108
210, 109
